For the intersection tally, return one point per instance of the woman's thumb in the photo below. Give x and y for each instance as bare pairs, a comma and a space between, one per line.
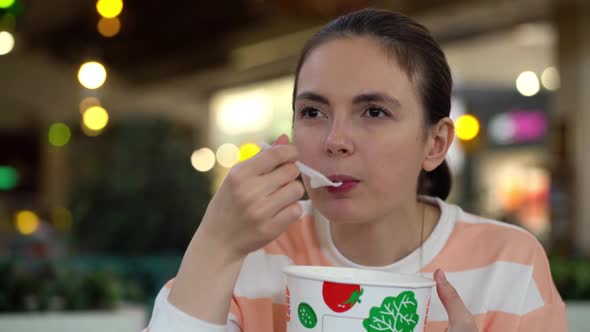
460, 319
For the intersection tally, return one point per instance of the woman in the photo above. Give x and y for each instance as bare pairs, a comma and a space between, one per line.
371, 109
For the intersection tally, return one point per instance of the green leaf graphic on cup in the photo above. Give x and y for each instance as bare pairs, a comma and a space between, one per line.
396, 314
307, 316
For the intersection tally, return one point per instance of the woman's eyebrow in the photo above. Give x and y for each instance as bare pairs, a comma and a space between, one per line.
313, 97
375, 97
362, 98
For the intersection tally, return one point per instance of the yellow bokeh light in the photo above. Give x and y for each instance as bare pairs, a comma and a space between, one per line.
62, 219
228, 155
248, 150
89, 132
6, 42
109, 27
95, 118
467, 127
27, 222
109, 8
527, 83
88, 102
203, 159
92, 75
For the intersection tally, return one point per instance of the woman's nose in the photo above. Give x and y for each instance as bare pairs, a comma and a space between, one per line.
338, 141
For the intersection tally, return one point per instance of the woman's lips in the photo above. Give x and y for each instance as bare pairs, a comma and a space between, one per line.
342, 178
348, 183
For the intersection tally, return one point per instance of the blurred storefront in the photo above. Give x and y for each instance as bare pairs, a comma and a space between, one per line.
520, 68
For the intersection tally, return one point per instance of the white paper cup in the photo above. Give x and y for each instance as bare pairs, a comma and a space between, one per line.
337, 299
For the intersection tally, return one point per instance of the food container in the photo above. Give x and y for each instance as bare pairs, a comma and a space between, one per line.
338, 299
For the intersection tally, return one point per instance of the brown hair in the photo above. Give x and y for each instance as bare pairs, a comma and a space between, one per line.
418, 54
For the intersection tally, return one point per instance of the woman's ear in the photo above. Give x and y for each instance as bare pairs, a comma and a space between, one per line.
440, 138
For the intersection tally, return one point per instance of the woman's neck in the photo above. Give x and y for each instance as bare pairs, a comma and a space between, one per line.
388, 239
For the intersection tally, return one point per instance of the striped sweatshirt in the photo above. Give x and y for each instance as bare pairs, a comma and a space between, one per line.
500, 271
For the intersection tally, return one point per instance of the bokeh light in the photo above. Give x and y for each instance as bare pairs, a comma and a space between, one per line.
203, 159
89, 132
245, 113
27, 222
109, 8
248, 150
62, 219
228, 155
88, 102
92, 75
6, 42
8, 177
95, 118
59, 134
550, 79
6, 3
517, 126
109, 27
467, 127
502, 129
527, 84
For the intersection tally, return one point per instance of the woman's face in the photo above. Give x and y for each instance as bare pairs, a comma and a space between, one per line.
358, 119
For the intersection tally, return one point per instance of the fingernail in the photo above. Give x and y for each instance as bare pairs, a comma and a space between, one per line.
282, 139
278, 139
440, 277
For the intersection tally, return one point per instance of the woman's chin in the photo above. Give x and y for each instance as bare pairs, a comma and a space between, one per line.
338, 210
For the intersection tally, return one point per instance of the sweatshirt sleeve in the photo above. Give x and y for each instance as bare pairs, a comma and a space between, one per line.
551, 315
166, 317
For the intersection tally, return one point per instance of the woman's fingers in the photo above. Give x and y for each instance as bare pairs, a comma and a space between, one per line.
282, 198
256, 201
267, 160
460, 319
286, 216
279, 153
283, 139
265, 173
276, 179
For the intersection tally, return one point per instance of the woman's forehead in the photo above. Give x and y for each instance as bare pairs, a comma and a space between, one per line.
350, 66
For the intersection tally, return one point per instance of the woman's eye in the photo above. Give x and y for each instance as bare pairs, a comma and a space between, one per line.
376, 112
310, 112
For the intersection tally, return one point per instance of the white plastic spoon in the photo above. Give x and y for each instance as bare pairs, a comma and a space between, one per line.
317, 179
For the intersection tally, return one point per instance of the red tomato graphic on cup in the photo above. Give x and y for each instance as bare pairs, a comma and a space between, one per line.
341, 297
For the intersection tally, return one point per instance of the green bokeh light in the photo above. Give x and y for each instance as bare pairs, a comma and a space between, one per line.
8, 178
59, 134
6, 3
12, 7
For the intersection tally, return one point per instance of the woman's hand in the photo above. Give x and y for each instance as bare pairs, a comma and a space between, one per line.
256, 202
460, 319
253, 206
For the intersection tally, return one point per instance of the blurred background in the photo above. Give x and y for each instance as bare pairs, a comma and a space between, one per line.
120, 118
